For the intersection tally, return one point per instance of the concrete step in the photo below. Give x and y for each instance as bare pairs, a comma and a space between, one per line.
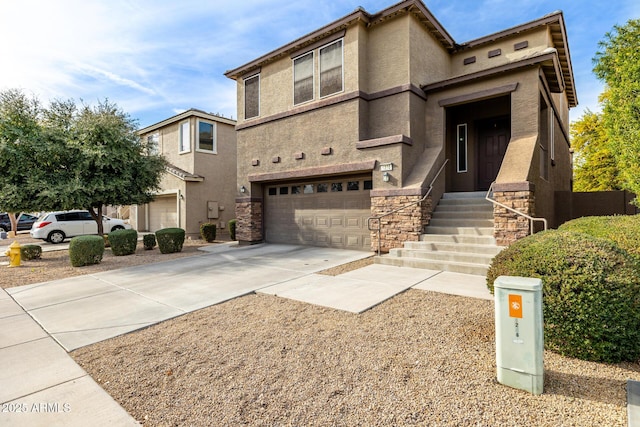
465, 195
486, 249
470, 207
473, 231
457, 238
463, 214
457, 267
460, 222
464, 202
445, 256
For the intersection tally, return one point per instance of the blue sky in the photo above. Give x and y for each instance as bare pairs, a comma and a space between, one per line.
158, 58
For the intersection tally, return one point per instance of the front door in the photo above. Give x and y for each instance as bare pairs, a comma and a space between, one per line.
493, 138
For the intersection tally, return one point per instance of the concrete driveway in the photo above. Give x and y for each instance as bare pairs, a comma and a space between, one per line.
83, 310
39, 322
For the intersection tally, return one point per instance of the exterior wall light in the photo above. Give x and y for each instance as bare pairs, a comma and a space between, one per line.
386, 176
243, 189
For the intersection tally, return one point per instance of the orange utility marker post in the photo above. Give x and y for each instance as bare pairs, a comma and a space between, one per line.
519, 333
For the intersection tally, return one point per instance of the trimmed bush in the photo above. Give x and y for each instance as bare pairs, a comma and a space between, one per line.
149, 241
170, 240
624, 230
123, 242
591, 293
208, 232
86, 250
232, 228
29, 252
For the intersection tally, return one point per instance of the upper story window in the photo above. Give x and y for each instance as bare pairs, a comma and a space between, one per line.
153, 143
206, 137
331, 66
252, 96
185, 137
303, 86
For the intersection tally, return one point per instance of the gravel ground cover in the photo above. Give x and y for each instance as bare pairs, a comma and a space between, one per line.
421, 358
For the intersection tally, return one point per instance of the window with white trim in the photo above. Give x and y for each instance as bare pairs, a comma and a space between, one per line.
252, 96
185, 137
153, 143
461, 148
206, 137
331, 68
303, 81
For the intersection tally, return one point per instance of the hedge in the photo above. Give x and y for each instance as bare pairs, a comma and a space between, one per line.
29, 252
86, 250
232, 228
170, 240
123, 242
149, 241
208, 232
591, 293
624, 230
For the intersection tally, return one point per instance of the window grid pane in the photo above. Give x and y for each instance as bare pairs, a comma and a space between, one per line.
331, 69
205, 136
252, 97
185, 140
303, 78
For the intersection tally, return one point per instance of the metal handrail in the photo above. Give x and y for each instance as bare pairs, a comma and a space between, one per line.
502, 205
378, 218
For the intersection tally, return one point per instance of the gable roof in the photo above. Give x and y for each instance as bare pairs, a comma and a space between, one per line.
415, 7
554, 21
192, 112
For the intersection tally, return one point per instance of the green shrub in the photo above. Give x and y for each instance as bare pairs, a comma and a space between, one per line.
208, 232
170, 240
624, 230
86, 250
29, 252
123, 242
149, 241
232, 228
591, 293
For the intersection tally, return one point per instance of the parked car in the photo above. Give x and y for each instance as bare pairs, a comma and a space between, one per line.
57, 226
25, 221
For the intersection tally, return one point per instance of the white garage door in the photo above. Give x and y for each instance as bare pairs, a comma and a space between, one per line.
331, 212
163, 213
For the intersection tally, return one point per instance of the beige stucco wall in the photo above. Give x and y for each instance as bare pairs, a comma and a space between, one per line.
538, 40
218, 171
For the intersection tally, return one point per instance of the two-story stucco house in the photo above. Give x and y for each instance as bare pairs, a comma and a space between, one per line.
199, 185
358, 117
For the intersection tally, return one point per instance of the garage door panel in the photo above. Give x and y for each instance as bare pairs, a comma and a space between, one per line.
319, 218
163, 213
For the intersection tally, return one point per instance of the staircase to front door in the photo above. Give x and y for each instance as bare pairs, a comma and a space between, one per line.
459, 238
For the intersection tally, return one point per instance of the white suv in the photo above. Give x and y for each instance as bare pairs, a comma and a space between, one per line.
57, 226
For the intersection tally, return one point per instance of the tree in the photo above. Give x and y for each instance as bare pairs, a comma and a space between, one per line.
19, 135
76, 158
594, 168
617, 63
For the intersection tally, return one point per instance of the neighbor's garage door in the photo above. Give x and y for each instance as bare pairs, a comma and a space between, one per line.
163, 213
331, 212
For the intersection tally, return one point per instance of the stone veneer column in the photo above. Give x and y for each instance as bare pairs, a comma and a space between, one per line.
405, 225
509, 226
249, 220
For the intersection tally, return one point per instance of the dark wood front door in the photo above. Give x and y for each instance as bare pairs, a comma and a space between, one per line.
493, 138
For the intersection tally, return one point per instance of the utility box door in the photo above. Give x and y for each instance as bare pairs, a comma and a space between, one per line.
519, 333
212, 210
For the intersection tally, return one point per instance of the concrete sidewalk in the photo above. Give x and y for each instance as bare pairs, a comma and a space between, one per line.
82, 310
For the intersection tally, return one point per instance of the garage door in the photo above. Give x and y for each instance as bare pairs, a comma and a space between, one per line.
163, 213
331, 212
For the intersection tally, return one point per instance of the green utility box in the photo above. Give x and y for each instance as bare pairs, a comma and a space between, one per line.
519, 333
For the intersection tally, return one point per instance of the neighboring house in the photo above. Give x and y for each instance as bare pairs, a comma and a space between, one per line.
356, 119
199, 185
